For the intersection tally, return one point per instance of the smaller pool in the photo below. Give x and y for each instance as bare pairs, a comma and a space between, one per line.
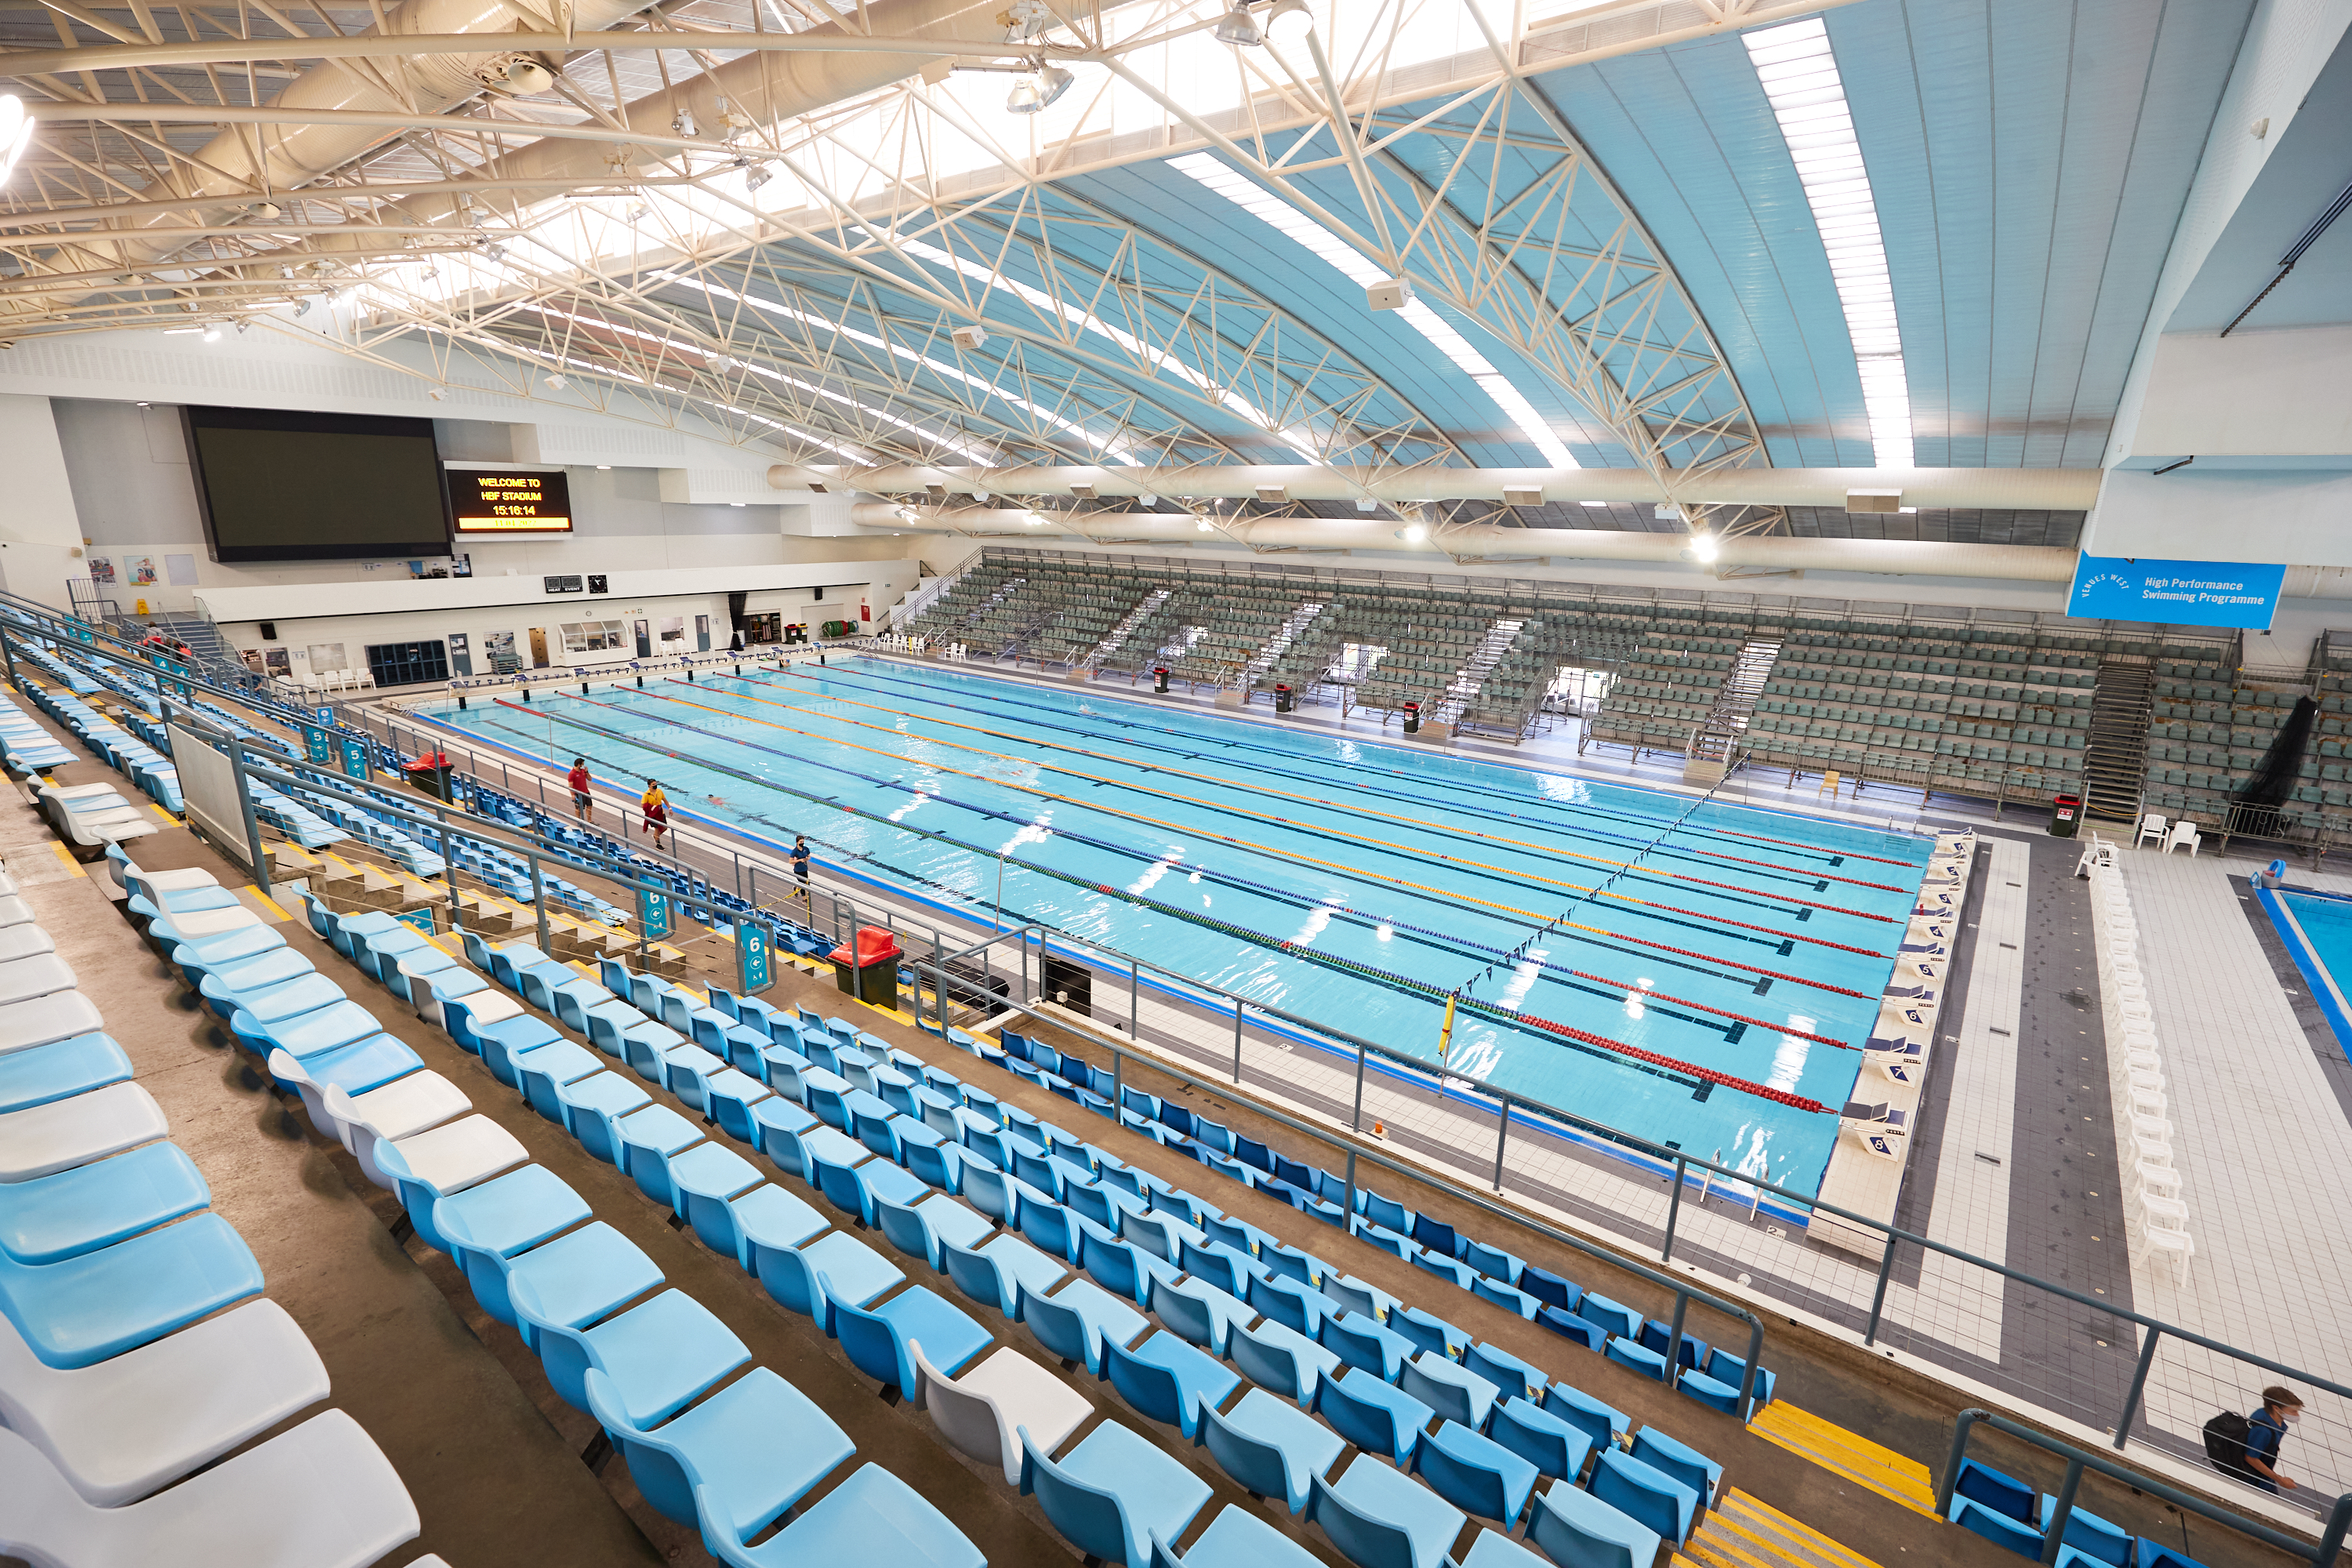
2318, 931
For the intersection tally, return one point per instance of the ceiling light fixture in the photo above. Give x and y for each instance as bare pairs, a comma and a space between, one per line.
1704, 547
757, 176
682, 123
16, 132
1290, 22
1037, 91
555, 384
437, 394
211, 334
1413, 533
908, 514
1238, 28
1204, 525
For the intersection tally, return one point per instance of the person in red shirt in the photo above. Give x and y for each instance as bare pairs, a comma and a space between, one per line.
582, 802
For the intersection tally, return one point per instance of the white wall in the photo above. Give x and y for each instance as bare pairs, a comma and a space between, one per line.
2293, 518
41, 536
136, 498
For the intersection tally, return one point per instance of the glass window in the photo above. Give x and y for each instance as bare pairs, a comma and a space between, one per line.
593, 637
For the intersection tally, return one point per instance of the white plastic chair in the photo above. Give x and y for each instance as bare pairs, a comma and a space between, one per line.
451, 1157
2175, 1245
2182, 833
2150, 826
124, 1427
2162, 1181
2153, 1151
983, 1412
64, 1133
320, 1496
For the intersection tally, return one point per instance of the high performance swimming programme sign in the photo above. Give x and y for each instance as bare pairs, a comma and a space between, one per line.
2184, 593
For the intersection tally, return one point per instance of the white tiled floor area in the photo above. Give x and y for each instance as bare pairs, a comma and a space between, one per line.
2265, 1156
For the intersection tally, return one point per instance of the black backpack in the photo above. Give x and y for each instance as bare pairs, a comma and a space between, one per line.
2225, 1439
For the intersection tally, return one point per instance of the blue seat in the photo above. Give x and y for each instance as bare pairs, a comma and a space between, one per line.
728, 1098
1270, 1446
650, 1139
1503, 1295
1430, 1332
1997, 1528
270, 998
1686, 1464
1730, 1371
61, 1070
1551, 1289
871, 1518
1113, 1494
1277, 1357
1618, 1322
2092, 1537
95, 1305
686, 1071
1445, 1387
1120, 1267
1372, 1415
919, 1229
1645, 1493
1553, 1447
936, 1164
1474, 1473
1073, 1322
1640, 1357
877, 1339
323, 1030
500, 1043
1458, 1275
1603, 1423
1492, 1261
576, 1278
1381, 1517
855, 1188
1512, 1378
543, 1072
2003, 1494
1167, 1380
1236, 1538
96, 1205
1582, 1331
767, 1215
721, 1455
853, 1272
1436, 1236
1360, 1341
493, 1221
704, 1181
1351, 1294
1054, 1229
1199, 1312
997, 1272
1294, 1305
782, 1125
1577, 1529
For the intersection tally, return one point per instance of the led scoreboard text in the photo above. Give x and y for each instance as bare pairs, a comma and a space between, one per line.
509, 501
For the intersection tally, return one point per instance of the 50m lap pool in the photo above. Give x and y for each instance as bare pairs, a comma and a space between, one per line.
1699, 976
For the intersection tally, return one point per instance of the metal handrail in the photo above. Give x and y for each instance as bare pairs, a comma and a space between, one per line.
2078, 1459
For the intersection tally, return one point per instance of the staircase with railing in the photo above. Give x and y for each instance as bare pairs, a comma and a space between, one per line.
1118, 636
1294, 627
2115, 753
1463, 689
1717, 737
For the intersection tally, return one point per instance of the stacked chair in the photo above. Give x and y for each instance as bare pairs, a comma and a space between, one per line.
135, 1347
1268, 1356
2159, 1215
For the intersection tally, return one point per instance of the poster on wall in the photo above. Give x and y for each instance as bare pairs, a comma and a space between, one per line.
180, 571
498, 647
101, 570
142, 569
277, 661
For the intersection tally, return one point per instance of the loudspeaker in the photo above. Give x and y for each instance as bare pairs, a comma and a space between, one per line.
269, 631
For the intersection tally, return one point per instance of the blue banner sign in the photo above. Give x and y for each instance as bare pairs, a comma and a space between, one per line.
317, 744
751, 959
2183, 593
653, 913
355, 758
421, 919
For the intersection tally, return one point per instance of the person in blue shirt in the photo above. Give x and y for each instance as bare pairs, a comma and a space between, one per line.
2281, 1409
801, 862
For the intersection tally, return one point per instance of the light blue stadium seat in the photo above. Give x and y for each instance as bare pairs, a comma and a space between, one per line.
853, 1272
1374, 1416
704, 1181
996, 1273
1236, 1538
1997, 1528
1361, 1343
1663, 1451
1381, 1517
1167, 1380
1428, 1332
61, 1070
2092, 1538
920, 1229
1577, 1529
1474, 1473
98, 1304
782, 1125
1645, 1493
576, 1278
1445, 1387
718, 1466
1113, 1493
1270, 1446
87, 1206
1553, 1447
1199, 1312
872, 1518
1075, 1320
650, 1139
767, 1215
876, 1340
1277, 1357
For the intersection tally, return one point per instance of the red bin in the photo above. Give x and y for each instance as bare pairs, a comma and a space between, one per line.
867, 968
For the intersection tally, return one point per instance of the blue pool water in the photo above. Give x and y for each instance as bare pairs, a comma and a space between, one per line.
1748, 942
2318, 931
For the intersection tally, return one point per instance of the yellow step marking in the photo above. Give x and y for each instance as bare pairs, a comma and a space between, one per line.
162, 813
1794, 1545
1868, 1464
1713, 1550
1812, 1539
72, 865
261, 898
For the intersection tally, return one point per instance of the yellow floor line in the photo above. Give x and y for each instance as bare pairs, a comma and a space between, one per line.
1802, 1427
162, 813
261, 898
65, 855
1803, 1531
1710, 1543
1867, 1464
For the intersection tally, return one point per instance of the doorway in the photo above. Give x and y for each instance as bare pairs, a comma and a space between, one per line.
539, 647
645, 637
461, 653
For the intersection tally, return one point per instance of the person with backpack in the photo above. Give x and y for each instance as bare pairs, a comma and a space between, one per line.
2247, 1446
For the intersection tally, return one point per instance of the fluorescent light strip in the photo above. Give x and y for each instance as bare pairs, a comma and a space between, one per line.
1159, 359
1205, 169
1800, 81
938, 367
975, 453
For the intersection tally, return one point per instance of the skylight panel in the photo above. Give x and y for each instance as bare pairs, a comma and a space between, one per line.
1801, 80
1328, 247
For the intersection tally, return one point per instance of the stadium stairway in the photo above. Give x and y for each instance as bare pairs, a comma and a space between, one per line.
1741, 1532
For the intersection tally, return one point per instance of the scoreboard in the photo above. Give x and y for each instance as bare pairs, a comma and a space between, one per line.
511, 501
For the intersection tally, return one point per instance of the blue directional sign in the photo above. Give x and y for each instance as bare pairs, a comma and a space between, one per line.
653, 913
317, 744
751, 958
2181, 593
355, 757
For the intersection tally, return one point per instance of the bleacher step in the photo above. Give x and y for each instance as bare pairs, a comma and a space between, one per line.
1848, 1454
1741, 1532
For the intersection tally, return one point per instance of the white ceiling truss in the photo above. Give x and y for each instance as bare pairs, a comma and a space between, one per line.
798, 280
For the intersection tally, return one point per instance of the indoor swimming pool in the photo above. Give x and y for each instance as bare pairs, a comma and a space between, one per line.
1700, 977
